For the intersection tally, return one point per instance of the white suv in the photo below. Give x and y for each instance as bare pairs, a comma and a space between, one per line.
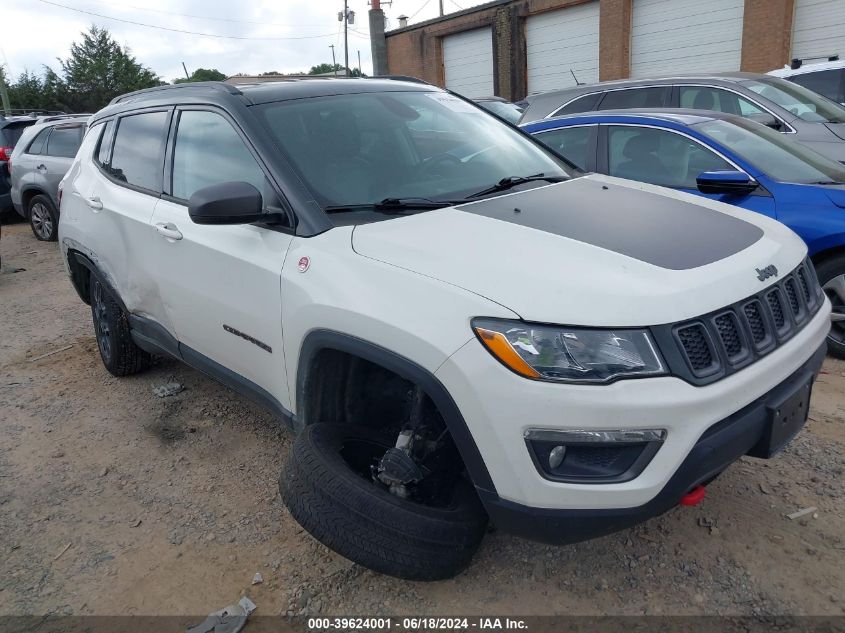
459, 325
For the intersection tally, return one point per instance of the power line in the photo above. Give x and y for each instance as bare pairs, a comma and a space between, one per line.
193, 15
165, 28
425, 4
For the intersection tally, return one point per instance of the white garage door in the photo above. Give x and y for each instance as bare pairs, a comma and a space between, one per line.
818, 28
468, 62
560, 43
670, 37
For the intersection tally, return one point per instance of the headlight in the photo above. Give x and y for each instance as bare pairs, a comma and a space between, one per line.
547, 352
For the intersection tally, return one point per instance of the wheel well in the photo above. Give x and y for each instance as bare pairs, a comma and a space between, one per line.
80, 276
821, 256
28, 195
342, 387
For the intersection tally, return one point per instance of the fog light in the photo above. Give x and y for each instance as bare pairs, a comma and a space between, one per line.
582, 456
556, 456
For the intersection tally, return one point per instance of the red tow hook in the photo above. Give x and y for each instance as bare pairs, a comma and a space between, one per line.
694, 496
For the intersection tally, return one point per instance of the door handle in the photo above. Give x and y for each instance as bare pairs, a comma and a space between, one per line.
42, 167
168, 230
95, 203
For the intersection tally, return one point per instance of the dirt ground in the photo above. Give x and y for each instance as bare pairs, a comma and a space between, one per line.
116, 501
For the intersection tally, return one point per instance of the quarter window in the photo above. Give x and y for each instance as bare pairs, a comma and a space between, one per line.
37, 145
581, 104
709, 98
64, 141
570, 142
209, 151
138, 152
660, 157
634, 98
104, 149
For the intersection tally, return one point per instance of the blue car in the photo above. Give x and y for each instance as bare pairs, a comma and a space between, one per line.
727, 158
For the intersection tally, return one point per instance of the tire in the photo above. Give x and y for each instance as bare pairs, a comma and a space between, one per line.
120, 355
350, 514
831, 274
43, 219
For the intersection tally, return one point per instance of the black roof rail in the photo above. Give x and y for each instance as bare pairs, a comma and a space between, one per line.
415, 80
796, 63
216, 85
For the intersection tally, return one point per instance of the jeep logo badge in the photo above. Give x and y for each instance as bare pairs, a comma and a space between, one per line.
765, 273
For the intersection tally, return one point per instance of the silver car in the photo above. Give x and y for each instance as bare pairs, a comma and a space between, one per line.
39, 161
808, 117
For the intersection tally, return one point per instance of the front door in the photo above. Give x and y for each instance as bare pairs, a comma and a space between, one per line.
221, 285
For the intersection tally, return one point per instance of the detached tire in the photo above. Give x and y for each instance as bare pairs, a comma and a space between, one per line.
831, 274
120, 355
352, 515
43, 219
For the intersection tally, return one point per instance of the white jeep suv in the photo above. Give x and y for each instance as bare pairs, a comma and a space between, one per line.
460, 327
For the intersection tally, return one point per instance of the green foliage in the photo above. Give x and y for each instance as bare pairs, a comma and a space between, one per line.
319, 69
97, 70
202, 74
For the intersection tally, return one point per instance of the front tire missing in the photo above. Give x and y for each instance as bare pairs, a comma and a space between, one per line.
346, 511
120, 355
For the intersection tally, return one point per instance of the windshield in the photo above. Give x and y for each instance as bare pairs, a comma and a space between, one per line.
802, 102
361, 148
772, 153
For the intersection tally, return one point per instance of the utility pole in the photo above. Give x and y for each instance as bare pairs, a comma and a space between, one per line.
346, 36
334, 63
441, 8
378, 45
360, 72
187, 76
4, 95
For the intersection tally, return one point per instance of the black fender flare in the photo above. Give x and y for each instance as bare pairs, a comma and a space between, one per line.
75, 258
318, 340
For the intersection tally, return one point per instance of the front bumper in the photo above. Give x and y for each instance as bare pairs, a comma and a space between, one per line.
720, 445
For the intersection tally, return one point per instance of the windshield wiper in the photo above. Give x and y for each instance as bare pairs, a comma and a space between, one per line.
391, 205
512, 181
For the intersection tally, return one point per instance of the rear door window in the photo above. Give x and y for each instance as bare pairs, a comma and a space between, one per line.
37, 144
138, 155
64, 141
570, 142
654, 97
828, 83
586, 103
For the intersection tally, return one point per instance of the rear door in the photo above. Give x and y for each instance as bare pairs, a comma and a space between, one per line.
221, 285
57, 155
671, 159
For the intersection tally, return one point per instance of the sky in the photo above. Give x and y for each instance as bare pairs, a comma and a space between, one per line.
275, 35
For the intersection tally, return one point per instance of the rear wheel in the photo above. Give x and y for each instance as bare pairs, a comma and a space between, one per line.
330, 486
43, 219
831, 274
120, 355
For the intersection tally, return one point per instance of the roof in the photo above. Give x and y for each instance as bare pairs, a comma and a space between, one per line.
788, 71
220, 93
681, 116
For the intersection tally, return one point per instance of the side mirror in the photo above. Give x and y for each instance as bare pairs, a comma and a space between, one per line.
735, 183
226, 203
764, 118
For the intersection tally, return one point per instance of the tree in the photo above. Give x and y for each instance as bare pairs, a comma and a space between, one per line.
99, 69
321, 69
202, 74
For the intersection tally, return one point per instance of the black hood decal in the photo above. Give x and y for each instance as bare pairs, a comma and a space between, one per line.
655, 229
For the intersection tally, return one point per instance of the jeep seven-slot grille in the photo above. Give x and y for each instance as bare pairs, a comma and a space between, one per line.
720, 343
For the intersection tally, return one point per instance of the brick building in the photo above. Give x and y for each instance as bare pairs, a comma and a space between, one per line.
515, 47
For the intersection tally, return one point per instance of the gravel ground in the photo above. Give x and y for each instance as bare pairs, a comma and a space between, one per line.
115, 501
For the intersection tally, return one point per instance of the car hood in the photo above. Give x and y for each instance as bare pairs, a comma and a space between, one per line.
595, 250
837, 128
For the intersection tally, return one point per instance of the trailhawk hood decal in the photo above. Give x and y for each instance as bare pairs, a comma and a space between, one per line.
592, 251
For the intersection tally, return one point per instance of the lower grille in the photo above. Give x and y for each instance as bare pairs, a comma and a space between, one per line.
721, 343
